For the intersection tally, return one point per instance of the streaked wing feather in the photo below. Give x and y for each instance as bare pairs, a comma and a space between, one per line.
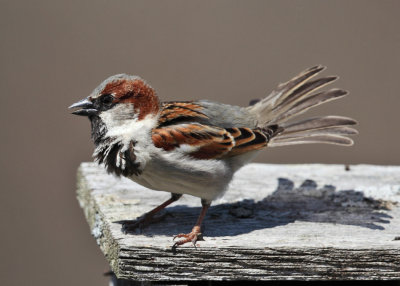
181, 111
210, 142
204, 142
247, 139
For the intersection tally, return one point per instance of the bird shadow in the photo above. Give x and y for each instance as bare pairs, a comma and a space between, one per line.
285, 205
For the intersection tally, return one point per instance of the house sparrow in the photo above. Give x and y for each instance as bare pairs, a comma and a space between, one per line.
195, 147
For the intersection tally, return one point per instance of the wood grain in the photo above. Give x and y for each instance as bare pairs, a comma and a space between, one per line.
276, 222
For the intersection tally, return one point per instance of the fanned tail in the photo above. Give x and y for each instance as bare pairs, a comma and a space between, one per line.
295, 97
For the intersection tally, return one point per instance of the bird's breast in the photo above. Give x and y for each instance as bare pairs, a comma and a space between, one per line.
177, 173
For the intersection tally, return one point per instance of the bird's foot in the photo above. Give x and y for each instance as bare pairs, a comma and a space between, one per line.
129, 226
194, 236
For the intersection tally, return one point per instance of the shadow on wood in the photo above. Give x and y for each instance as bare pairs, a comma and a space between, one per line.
285, 205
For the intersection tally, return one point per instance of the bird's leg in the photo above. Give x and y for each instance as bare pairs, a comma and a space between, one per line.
195, 234
147, 218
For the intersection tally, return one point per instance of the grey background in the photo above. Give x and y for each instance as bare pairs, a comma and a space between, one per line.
53, 54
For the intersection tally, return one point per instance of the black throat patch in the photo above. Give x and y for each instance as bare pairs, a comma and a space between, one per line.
99, 129
109, 151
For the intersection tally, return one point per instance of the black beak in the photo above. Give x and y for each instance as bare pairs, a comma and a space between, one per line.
87, 108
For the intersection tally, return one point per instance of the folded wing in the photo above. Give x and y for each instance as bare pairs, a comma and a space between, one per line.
202, 141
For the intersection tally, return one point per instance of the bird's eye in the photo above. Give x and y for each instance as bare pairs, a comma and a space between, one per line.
107, 99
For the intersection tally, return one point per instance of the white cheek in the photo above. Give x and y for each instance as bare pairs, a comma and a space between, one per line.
132, 129
118, 115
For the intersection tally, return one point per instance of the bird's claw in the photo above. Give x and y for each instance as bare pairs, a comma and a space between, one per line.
192, 237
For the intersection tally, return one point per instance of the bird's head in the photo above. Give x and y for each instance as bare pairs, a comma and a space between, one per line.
118, 99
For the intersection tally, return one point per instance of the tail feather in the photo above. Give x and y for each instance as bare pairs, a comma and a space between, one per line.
294, 98
317, 123
313, 100
303, 91
264, 108
336, 130
330, 139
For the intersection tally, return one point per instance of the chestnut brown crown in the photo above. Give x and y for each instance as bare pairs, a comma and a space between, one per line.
120, 89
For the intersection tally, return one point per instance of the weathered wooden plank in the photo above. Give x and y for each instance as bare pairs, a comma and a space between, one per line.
302, 222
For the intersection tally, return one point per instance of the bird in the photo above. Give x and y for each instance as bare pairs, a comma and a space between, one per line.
195, 147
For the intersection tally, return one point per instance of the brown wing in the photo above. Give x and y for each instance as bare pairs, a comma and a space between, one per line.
183, 125
197, 140
247, 139
210, 142
181, 111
